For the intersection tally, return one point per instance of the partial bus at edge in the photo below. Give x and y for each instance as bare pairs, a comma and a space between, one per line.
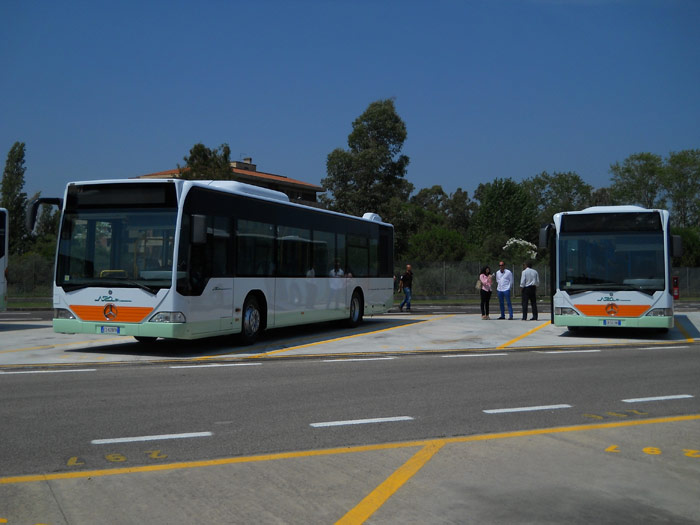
612, 267
181, 259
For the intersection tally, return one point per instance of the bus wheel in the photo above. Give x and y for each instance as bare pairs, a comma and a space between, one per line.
143, 339
356, 310
251, 325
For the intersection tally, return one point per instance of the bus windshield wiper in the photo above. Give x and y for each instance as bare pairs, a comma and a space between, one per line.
120, 282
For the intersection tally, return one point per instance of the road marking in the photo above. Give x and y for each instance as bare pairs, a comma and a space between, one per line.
150, 438
215, 365
525, 409
83, 474
50, 371
529, 332
375, 499
358, 359
472, 355
682, 329
361, 421
566, 351
658, 398
660, 347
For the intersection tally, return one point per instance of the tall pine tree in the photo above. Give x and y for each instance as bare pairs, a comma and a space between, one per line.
13, 198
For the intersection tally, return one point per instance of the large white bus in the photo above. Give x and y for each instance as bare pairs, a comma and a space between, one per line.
4, 256
190, 259
611, 266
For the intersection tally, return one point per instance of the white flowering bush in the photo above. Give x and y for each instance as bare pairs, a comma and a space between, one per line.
518, 250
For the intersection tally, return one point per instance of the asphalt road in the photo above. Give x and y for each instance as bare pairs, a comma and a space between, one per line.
52, 418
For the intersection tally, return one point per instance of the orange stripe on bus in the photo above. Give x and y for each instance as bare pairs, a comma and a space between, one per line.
125, 314
612, 310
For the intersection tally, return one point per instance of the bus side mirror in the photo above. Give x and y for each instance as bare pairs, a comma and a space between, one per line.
33, 209
545, 232
199, 229
676, 246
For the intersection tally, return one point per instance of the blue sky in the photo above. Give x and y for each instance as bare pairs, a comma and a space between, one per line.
487, 88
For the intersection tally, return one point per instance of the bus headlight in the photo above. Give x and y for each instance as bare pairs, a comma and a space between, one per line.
565, 311
168, 317
62, 313
660, 312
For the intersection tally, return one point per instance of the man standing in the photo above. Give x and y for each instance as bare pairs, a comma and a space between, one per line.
529, 281
405, 284
504, 278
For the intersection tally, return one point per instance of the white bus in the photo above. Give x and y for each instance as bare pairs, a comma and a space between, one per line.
190, 259
4, 256
611, 266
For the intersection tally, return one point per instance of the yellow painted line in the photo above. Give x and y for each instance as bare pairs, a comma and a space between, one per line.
375, 499
685, 333
325, 341
47, 347
529, 332
341, 450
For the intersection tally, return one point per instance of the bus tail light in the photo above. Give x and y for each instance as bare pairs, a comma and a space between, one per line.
62, 313
168, 317
661, 312
565, 311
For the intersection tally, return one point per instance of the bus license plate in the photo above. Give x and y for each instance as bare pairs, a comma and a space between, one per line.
110, 329
612, 322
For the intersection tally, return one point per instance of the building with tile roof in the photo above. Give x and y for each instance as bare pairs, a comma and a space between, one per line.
245, 171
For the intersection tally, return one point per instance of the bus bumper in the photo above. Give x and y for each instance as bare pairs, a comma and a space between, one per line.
165, 330
619, 322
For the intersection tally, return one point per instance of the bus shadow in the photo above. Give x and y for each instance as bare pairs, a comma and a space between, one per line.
270, 341
14, 327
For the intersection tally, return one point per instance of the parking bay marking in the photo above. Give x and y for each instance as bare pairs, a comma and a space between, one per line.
49, 371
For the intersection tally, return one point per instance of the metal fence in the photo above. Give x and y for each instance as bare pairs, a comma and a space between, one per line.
458, 279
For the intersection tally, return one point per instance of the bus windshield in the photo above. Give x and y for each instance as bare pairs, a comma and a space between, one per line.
611, 261
116, 247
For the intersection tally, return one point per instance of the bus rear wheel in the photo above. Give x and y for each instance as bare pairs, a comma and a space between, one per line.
251, 324
356, 309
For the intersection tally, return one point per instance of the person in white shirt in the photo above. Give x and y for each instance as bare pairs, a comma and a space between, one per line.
504, 278
529, 281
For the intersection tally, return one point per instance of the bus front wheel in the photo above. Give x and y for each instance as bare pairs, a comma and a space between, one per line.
356, 309
251, 323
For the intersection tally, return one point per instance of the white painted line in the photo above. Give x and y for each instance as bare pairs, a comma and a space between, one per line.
150, 438
566, 351
658, 398
361, 421
358, 359
472, 355
525, 409
661, 347
50, 371
215, 365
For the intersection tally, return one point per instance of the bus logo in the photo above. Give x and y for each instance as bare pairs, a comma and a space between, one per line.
110, 312
611, 309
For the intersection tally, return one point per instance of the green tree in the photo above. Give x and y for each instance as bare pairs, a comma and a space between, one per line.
681, 181
638, 180
207, 164
371, 172
459, 209
437, 244
505, 210
557, 192
602, 197
13, 198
